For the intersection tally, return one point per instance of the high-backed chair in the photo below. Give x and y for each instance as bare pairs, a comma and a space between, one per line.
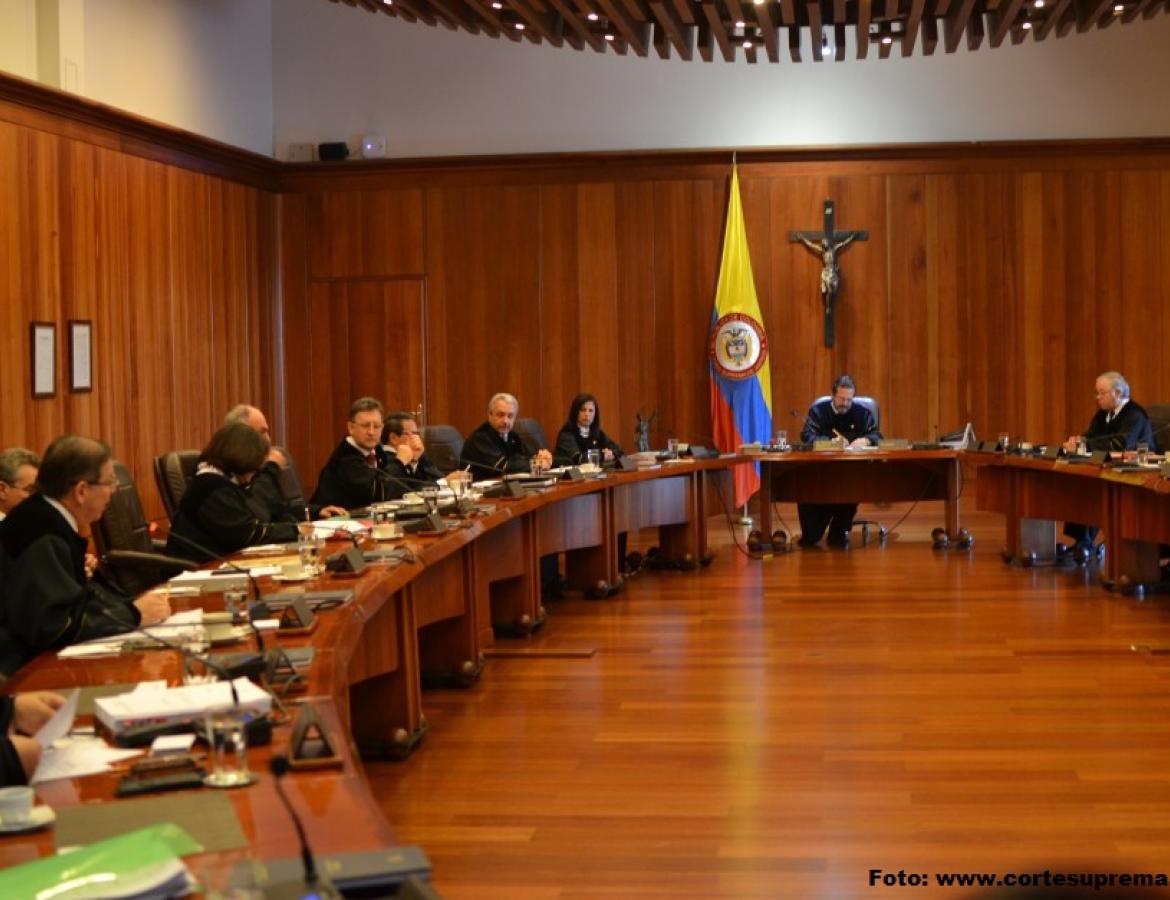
444, 445
1159, 414
872, 405
129, 556
531, 434
173, 471
290, 482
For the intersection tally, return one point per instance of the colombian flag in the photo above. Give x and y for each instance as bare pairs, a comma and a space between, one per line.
741, 379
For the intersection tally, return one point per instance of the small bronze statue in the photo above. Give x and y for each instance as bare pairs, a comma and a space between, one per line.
642, 431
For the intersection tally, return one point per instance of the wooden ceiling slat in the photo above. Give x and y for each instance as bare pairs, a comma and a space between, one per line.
794, 43
839, 14
660, 40
839, 43
719, 31
1068, 21
813, 10
863, 19
550, 28
1051, 17
706, 43
884, 49
635, 33
1138, 10
788, 14
975, 33
579, 25
1003, 19
682, 36
768, 29
734, 11
955, 25
893, 9
419, 10
929, 35
1091, 12
683, 8
913, 23
491, 22
456, 12
941, 7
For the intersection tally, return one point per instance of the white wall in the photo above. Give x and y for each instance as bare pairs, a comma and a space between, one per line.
341, 72
18, 38
201, 65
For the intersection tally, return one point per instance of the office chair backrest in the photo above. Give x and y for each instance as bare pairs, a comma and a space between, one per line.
868, 402
444, 445
123, 526
531, 434
290, 482
1159, 414
173, 471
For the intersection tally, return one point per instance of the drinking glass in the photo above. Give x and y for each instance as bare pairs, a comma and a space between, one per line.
1005, 442
1143, 453
228, 745
593, 458
782, 439
672, 448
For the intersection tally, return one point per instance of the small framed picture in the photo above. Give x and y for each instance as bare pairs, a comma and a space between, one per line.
43, 342
80, 355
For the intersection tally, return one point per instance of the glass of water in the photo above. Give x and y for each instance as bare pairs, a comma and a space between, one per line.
1005, 441
1143, 453
782, 439
672, 448
228, 745
593, 458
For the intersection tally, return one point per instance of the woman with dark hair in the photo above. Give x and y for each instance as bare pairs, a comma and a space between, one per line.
217, 512
582, 433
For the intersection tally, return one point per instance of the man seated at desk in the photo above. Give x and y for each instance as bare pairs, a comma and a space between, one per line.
354, 476
18, 474
51, 596
494, 449
837, 417
269, 485
1119, 424
409, 465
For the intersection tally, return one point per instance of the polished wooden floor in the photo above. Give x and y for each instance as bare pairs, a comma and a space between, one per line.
780, 728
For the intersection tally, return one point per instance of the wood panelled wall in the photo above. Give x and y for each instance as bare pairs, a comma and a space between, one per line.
175, 268
996, 282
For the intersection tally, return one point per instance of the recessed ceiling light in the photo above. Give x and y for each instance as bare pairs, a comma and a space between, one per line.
1039, 4
593, 17
887, 40
610, 37
739, 24
1118, 9
747, 45
1027, 26
519, 26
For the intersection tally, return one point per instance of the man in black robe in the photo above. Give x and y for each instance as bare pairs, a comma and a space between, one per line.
51, 596
494, 449
409, 468
840, 418
354, 475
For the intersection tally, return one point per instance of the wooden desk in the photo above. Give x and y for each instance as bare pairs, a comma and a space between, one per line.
1132, 508
863, 476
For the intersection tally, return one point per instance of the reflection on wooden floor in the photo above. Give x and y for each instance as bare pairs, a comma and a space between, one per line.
780, 728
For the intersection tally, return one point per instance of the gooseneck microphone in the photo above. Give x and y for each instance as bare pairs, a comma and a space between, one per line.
314, 886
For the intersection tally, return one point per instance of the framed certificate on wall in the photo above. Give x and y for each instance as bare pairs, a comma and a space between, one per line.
43, 339
80, 355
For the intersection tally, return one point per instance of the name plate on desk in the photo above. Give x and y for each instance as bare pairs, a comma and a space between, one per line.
893, 444
826, 444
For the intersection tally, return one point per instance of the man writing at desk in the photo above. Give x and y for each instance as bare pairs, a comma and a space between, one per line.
838, 417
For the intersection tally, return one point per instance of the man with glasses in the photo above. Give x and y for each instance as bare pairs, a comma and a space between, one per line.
409, 465
50, 598
1119, 424
18, 474
354, 475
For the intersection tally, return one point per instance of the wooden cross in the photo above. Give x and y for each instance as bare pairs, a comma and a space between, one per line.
827, 244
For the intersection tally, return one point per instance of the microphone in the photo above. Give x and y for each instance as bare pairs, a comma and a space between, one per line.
433, 521
312, 884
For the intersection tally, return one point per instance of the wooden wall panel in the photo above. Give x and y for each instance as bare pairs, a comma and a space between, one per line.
989, 291
172, 267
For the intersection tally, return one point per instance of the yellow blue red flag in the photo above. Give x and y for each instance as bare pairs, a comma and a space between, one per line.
737, 352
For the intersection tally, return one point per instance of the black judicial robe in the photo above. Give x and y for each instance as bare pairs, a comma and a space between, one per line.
1125, 432
219, 514
571, 447
348, 480
48, 602
856, 422
490, 456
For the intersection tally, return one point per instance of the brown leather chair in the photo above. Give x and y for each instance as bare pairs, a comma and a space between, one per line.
1159, 414
444, 445
531, 434
129, 557
173, 472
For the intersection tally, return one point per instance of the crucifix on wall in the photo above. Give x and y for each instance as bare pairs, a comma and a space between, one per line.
827, 244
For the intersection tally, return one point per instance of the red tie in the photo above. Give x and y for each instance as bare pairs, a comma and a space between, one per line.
372, 459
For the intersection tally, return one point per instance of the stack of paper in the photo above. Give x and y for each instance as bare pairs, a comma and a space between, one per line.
178, 704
